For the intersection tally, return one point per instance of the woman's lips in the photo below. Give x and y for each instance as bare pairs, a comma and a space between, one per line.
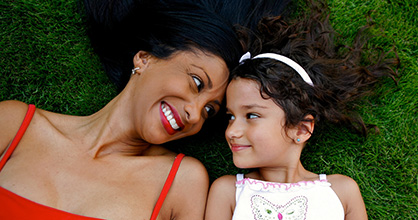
238, 147
170, 118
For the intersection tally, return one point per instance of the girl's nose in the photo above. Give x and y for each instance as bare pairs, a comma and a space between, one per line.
233, 131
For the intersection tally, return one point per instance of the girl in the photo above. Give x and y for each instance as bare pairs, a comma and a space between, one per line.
275, 99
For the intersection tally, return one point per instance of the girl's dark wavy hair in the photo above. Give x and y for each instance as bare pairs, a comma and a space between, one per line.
337, 73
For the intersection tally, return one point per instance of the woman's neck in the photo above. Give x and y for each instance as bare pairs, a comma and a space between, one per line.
109, 131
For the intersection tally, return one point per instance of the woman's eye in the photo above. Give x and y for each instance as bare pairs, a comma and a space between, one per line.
230, 116
252, 116
210, 111
198, 82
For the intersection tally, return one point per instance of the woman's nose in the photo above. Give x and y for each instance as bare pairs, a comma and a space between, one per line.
193, 113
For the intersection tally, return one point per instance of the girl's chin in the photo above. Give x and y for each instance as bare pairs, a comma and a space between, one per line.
241, 165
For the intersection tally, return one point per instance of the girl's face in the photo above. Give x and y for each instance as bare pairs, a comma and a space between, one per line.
173, 97
255, 133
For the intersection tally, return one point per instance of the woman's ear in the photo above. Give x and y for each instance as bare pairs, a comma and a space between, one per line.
141, 60
304, 129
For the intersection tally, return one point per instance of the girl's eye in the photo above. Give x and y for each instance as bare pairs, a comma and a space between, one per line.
252, 116
198, 82
210, 111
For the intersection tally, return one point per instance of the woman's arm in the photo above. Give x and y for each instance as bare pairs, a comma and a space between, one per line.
350, 196
221, 201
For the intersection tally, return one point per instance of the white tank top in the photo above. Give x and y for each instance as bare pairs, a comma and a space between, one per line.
262, 200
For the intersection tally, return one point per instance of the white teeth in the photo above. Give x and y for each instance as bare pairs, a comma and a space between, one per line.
174, 124
169, 115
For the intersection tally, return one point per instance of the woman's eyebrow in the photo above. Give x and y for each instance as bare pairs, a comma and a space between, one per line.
210, 84
217, 102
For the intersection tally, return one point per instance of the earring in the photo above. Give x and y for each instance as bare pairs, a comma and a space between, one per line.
135, 69
298, 140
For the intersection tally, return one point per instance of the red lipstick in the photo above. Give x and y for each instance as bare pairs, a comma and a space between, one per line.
176, 124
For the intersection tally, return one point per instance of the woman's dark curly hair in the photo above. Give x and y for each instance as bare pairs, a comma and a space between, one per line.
336, 72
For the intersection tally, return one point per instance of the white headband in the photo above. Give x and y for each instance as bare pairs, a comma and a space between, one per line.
284, 60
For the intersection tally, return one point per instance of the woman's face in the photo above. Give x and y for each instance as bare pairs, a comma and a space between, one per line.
173, 97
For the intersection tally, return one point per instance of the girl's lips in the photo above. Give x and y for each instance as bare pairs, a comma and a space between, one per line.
237, 147
170, 118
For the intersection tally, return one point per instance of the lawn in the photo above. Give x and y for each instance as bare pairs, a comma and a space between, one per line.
46, 59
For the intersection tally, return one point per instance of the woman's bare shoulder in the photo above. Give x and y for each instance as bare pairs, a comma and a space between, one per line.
12, 114
224, 186
191, 169
13, 107
189, 189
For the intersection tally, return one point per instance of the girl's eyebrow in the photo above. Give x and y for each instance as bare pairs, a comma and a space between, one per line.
210, 85
252, 106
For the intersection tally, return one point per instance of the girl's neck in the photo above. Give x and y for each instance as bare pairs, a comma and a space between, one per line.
286, 174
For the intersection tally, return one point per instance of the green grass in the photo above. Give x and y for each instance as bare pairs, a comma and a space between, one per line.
46, 59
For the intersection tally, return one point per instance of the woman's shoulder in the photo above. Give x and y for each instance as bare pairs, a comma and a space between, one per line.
12, 114
189, 189
190, 168
13, 107
224, 185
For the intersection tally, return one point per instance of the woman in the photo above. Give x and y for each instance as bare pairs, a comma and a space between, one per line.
108, 165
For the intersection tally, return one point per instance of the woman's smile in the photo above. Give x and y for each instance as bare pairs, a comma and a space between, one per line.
170, 118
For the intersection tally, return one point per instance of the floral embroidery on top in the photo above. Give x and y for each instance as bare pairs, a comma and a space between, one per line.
263, 209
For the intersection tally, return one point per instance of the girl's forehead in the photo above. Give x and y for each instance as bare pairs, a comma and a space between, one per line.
243, 84
243, 89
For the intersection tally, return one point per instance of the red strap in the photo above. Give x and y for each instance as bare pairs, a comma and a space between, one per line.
167, 186
19, 135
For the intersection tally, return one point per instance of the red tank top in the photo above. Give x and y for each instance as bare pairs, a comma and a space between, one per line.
13, 206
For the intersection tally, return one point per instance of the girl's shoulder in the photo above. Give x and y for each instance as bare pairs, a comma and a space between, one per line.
343, 185
348, 192
341, 182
